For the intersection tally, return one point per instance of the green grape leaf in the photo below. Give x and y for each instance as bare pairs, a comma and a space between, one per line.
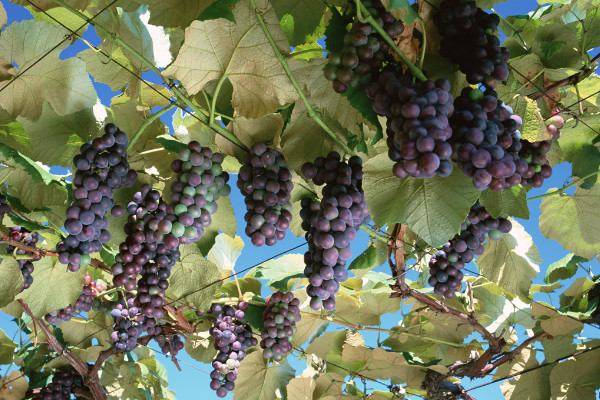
247, 285
335, 31
557, 31
549, 48
366, 260
299, 18
506, 203
111, 73
48, 4
487, 4
194, 279
227, 224
564, 268
433, 208
250, 132
32, 226
280, 271
217, 47
580, 374
219, 9
7, 348
533, 385
367, 309
587, 161
257, 380
11, 281
553, 322
175, 13
33, 195
170, 144
575, 136
573, 221
35, 171
62, 135
512, 261
200, 346
54, 287
16, 386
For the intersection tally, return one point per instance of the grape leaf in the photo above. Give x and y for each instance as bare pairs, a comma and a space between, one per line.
533, 385
553, 322
247, 285
258, 381
506, 203
16, 386
217, 47
175, 13
169, 143
557, 31
301, 388
33, 195
11, 281
573, 221
366, 260
194, 279
250, 132
576, 378
225, 251
549, 48
227, 224
111, 73
62, 135
432, 208
54, 287
34, 170
587, 161
564, 268
48, 4
299, 18
3, 17
379, 364
200, 346
512, 261
280, 271
574, 136
7, 348
219, 9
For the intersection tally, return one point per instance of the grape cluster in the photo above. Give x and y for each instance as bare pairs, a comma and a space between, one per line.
200, 182
170, 344
150, 249
233, 336
101, 168
280, 317
538, 165
4, 207
127, 326
266, 182
418, 129
82, 304
446, 266
331, 224
364, 50
22, 235
62, 386
486, 140
469, 41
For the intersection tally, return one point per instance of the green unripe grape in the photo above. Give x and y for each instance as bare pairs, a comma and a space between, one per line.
275, 309
153, 290
201, 189
294, 329
537, 168
194, 211
209, 198
184, 177
190, 232
476, 95
184, 154
216, 169
189, 191
283, 306
180, 209
279, 319
209, 207
291, 317
198, 170
495, 234
225, 191
207, 163
85, 260
178, 229
281, 333
278, 357
267, 353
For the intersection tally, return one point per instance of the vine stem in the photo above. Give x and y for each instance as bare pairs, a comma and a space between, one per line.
564, 189
91, 380
373, 234
367, 17
288, 71
517, 31
179, 94
147, 122
424, 45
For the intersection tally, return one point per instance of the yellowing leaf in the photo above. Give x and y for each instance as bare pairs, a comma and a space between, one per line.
533, 385
573, 221
512, 261
242, 51
301, 388
16, 388
379, 364
226, 251
257, 381
48, 4
11, 281
557, 324
576, 378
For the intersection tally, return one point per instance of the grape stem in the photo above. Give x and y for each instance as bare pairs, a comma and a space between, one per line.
364, 15
178, 93
311, 112
424, 44
373, 234
517, 31
147, 122
564, 189
91, 380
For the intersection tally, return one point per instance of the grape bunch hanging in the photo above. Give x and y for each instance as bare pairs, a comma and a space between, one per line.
200, 182
62, 386
102, 167
331, 224
280, 317
265, 181
24, 236
128, 324
469, 41
364, 50
82, 304
446, 266
233, 336
417, 123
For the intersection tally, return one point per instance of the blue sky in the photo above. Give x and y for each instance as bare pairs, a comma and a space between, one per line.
191, 382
